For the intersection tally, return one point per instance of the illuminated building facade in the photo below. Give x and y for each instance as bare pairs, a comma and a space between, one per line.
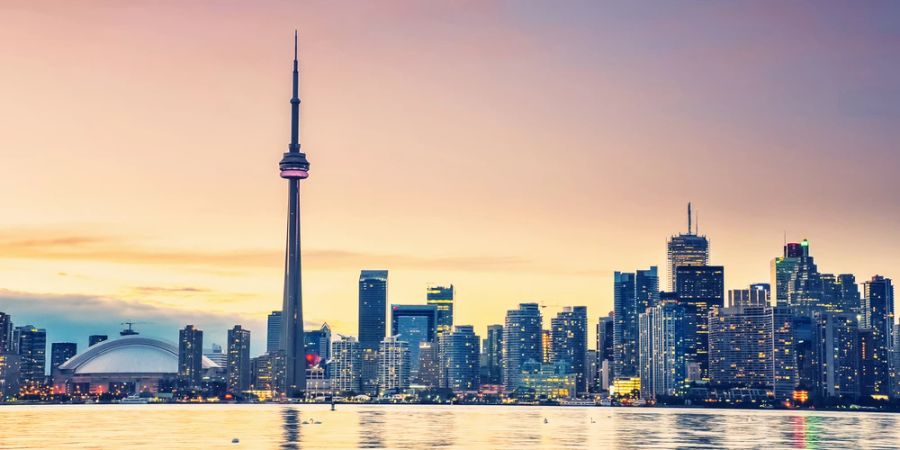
238, 360
345, 365
61, 352
605, 352
442, 299
699, 289
633, 293
414, 324
273, 331
190, 355
393, 366
741, 346
665, 334
784, 355
879, 317
521, 342
568, 342
31, 345
688, 249
547, 381
459, 351
492, 356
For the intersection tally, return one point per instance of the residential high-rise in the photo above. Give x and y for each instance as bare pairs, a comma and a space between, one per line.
414, 324
700, 288
6, 332
568, 342
60, 352
273, 331
545, 346
741, 346
261, 372
459, 358
190, 355
605, 352
393, 366
345, 365
665, 337
688, 249
848, 293
293, 167
521, 342
430, 365
95, 339
838, 336
492, 352
878, 315
372, 308
238, 362
785, 376
442, 298
31, 345
633, 293
9, 374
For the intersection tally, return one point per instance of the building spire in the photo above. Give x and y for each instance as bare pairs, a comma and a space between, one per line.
689, 218
295, 105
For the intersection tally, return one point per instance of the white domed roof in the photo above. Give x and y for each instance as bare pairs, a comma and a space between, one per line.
129, 354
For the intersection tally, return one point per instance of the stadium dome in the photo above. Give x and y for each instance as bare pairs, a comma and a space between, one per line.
129, 354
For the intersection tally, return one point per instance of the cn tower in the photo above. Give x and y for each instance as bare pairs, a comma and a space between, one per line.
294, 167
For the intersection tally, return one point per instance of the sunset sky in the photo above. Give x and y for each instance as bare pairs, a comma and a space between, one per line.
521, 150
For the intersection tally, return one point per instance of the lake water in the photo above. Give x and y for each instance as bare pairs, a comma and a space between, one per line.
456, 427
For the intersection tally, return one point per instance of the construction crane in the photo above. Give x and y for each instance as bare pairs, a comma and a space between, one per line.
129, 331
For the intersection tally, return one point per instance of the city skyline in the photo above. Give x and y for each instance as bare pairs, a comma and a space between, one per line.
146, 251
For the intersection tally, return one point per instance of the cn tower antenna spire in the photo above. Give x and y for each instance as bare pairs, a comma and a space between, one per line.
295, 104
689, 218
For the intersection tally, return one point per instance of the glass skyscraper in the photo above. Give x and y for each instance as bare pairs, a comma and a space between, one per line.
700, 288
568, 342
31, 345
492, 355
442, 299
273, 332
686, 249
60, 352
633, 293
372, 308
605, 352
459, 359
879, 317
741, 346
414, 324
665, 337
521, 342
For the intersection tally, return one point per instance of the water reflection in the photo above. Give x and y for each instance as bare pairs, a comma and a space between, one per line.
291, 424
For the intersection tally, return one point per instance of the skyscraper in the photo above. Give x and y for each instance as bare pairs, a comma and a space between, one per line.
633, 293
879, 317
238, 362
273, 332
605, 352
317, 345
568, 342
687, 249
797, 280
96, 339
344, 367
459, 354
31, 344
430, 365
521, 342
838, 336
741, 346
393, 366
848, 293
700, 288
372, 308
190, 355
414, 324
6, 331
442, 298
492, 350
665, 337
294, 167
60, 352
785, 378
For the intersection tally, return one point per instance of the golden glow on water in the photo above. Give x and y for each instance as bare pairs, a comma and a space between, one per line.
461, 427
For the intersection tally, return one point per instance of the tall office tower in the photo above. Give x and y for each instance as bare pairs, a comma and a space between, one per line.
429, 364
345, 365
688, 249
784, 357
261, 373
414, 324
372, 325
393, 366
591, 369
700, 288
521, 342
95, 339
9, 374
442, 298
878, 294
459, 351
6, 331
633, 293
806, 348
273, 332
838, 338
665, 335
31, 344
831, 293
60, 352
796, 278
848, 293
867, 363
190, 355
238, 362
747, 297
545, 346
492, 352
605, 352
896, 362
293, 167
317, 345
372, 308
741, 346
568, 342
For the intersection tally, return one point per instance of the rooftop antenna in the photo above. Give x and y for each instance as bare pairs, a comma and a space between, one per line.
689, 218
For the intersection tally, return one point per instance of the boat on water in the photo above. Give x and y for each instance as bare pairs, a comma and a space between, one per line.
134, 400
